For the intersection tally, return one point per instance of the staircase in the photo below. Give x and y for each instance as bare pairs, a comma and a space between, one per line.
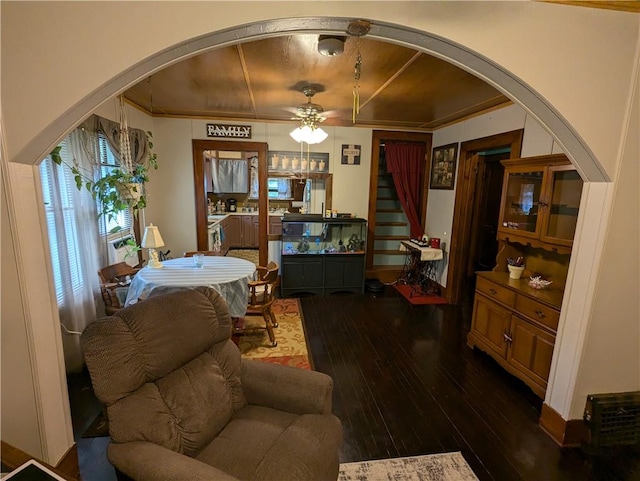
391, 226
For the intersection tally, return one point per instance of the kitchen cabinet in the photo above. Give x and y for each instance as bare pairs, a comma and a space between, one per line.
516, 325
250, 230
232, 226
275, 225
540, 202
321, 255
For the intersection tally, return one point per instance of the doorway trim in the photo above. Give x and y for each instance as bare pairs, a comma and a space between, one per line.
377, 138
463, 207
199, 146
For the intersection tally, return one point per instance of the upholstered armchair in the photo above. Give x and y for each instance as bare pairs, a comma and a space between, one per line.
183, 405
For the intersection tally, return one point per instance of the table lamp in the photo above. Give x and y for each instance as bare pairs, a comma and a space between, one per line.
152, 240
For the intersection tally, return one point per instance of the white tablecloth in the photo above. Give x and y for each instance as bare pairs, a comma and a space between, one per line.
426, 253
227, 275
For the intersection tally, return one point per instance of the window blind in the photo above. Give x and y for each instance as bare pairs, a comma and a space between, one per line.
123, 221
58, 187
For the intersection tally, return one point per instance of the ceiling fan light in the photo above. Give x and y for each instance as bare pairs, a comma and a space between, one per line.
297, 134
318, 135
310, 135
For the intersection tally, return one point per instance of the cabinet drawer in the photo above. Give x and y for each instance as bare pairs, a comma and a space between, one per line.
538, 312
496, 292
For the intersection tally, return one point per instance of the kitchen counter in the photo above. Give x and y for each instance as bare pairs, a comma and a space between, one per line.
216, 218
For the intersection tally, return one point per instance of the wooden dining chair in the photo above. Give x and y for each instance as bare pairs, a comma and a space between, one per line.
206, 253
262, 294
114, 285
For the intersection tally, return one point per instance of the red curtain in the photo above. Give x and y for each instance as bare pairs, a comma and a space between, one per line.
405, 161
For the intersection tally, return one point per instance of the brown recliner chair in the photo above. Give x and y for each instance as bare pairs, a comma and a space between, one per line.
182, 405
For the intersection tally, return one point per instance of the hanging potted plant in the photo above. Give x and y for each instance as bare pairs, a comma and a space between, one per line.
118, 190
122, 188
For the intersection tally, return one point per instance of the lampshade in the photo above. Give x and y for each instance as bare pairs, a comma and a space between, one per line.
152, 238
309, 134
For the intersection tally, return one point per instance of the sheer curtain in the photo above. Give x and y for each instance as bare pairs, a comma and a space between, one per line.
405, 163
74, 243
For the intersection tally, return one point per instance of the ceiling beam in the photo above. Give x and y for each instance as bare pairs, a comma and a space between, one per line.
247, 80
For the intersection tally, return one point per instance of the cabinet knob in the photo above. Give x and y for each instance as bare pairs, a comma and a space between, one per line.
507, 338
540, 314
493, 291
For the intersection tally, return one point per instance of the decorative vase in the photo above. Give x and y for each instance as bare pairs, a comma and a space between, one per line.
305, 163
275, 161
285, 162
515, 272
321, 165
312, 165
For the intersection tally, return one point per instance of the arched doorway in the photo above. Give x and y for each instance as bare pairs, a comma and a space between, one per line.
520, 92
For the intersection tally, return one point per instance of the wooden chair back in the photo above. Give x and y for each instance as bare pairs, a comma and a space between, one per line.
262, 294
116, 272
206, 253
113, 285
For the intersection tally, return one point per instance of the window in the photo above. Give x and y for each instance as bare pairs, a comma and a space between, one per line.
58, 185
59, 190
279, 188
108, 163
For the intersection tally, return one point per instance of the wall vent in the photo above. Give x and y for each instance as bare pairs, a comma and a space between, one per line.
613, 419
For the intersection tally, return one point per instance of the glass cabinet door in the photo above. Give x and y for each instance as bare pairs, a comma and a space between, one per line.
521, 202
565, 190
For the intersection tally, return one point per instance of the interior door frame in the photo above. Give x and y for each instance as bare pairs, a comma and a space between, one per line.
199, 146
464, 203
377, 138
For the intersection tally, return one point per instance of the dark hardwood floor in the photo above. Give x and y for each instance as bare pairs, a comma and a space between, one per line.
405, 384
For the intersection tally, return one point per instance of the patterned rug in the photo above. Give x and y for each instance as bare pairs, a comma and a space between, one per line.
292, 344
434, 467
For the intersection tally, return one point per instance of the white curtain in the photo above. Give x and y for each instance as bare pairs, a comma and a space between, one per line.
75, 245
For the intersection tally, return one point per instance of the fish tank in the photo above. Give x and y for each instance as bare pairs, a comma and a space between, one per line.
313, 234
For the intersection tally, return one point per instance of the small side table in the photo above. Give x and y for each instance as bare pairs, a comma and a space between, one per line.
420, 267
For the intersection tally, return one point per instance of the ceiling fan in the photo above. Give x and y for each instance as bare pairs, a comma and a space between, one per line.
309, 112
309, 115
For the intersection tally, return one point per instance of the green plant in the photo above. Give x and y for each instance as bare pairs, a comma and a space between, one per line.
119, 189
131, 248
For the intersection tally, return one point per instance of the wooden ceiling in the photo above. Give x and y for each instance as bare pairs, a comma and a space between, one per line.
263, 80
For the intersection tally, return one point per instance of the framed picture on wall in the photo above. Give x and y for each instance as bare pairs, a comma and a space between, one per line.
443, 167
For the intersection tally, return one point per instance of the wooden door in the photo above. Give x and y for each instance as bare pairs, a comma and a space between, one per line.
520, 207
530, 350
562, 193
459, 251
490, 325
233, 232
483, 243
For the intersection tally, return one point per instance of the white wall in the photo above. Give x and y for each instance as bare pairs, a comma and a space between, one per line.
171, 189
536, 141
611, 359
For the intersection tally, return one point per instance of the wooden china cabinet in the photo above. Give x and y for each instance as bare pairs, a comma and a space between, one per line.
512, 322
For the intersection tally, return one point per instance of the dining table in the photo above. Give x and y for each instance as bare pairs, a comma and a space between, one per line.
229, 276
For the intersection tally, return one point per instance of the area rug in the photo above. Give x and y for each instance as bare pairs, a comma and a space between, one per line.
292, 344
433, 467
413, 295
